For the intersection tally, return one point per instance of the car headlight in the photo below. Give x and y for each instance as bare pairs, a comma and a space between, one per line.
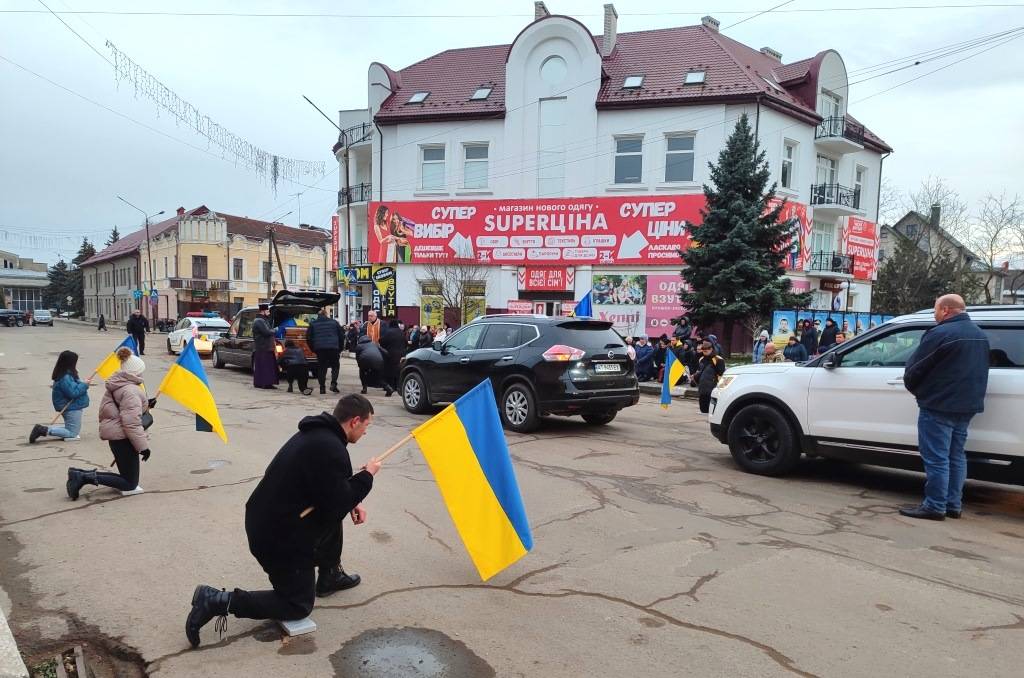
724, 382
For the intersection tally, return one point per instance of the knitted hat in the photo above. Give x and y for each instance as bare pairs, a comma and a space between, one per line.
134, 365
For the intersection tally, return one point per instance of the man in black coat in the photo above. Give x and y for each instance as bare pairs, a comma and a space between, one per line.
709, 370
138, 326
795, 351
370, 360
392, 340
325, 339
828, 336
312, 471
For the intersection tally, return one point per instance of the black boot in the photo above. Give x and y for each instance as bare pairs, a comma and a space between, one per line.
363, 391
334, 388
207, 603
37, 432
333, 579
78, 478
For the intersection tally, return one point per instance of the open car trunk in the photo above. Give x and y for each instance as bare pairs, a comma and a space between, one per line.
302, 307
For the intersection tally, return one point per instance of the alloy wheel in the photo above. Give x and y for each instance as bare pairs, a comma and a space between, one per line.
412, 393
759, 440
517, 407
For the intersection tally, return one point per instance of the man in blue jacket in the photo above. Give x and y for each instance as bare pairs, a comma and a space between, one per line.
948, 374
325, 339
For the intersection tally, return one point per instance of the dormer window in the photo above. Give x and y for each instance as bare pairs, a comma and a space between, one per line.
694, 78
481, 93
418, 97
632, 82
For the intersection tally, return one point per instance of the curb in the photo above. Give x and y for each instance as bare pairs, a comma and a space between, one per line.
11, 665
654, 388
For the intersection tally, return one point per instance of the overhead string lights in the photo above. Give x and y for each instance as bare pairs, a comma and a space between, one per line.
266, 164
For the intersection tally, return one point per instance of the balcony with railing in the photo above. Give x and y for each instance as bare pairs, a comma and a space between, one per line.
204, 284
357, 134
356, 256
355, 194
831, 264
834, 200
839, 134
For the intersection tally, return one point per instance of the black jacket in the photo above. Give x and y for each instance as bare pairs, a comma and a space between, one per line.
949, 370
828, 337
262, 335
393, 342
137, 324
351, 337
312, 469
368, 354
324, 334
795, 353
809, 339
709, 369
293, 356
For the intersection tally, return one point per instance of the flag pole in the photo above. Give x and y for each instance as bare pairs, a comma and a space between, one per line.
61, 413
387, 453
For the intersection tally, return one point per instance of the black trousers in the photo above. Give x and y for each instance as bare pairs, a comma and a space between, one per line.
127, 476
294, 590
140, 341
327, 358
369, 377
299, 373
705, 402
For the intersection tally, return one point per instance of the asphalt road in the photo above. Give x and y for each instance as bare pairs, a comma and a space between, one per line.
654, 555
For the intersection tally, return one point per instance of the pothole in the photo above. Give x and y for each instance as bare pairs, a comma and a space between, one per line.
406, 651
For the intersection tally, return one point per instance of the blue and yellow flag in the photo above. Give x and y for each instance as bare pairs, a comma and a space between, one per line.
186, 383
584, 307
674, 371
111, 363
466, 450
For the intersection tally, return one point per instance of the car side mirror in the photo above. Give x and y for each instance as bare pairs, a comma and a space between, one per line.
438, 346
831, 362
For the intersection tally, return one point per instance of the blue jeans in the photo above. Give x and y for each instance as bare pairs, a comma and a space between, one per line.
72, 425
941, 437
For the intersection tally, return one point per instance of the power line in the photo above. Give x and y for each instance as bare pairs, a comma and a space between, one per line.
754, 16
77, 34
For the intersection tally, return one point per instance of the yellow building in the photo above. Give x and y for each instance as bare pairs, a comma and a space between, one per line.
200, 259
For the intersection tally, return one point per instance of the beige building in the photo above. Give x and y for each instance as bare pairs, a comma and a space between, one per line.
200, 259
22, 281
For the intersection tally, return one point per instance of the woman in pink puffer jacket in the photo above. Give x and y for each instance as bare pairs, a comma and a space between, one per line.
121, 410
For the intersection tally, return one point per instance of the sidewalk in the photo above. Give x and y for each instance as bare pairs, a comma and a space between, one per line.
11, 665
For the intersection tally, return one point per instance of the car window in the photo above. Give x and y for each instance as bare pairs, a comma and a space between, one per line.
500, 335
245, 324
1006, 346
465, 339
892, 350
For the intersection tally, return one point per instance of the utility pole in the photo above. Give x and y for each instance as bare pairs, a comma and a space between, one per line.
271, 245
298, 196
149, 257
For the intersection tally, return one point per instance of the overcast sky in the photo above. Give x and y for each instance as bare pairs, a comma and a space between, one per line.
63, 160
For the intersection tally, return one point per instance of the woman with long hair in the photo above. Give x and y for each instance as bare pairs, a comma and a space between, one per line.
121, 412
70, 397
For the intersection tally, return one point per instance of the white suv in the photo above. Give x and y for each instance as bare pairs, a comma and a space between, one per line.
850, 403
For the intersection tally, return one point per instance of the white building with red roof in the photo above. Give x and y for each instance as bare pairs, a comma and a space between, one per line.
566, 162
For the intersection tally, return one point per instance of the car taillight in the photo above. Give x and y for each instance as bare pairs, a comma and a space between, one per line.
561, 353
278, 348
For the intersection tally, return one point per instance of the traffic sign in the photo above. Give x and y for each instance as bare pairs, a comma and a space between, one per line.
153, 295
136, 294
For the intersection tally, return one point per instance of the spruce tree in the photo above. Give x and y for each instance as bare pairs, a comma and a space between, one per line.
735, 263
115, 235
56, 292
76, 281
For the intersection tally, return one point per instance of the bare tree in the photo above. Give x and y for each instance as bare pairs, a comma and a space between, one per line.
992, 234
456, 285
954, 213
890, 203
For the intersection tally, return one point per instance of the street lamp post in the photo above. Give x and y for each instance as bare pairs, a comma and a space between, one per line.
149, 253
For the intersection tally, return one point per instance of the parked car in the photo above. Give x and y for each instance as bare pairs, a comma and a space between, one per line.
11, 317
236, 347
538, 365
204, 330
42, 317
850, 403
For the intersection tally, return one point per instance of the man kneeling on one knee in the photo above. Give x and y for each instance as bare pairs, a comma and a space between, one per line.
313, 469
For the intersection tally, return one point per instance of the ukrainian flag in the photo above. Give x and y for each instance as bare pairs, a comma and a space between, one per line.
186, 383
673, 372
584, 307
465, 448
111, 364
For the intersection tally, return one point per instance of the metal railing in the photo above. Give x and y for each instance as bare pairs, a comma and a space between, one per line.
360, 256
356, 193
355, 134
199, 284
832, 262
835, 194
839, 126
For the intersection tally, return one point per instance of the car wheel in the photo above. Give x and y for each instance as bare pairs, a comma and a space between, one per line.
170, 351
218, 362
414, 394
19, 322
762, 441
519, 409
599, 418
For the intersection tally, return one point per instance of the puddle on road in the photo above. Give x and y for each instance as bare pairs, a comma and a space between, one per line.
419, 653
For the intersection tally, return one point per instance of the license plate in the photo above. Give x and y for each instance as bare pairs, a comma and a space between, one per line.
607, 367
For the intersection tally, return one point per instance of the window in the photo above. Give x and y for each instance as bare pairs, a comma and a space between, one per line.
1005, 346
167, 271
198, 266
632, 81
245, 324
466, 339
293, 274
315, 275
823, 237
500, 335
911, 230
474, 168
830, 105
892, 350
481, 93
553, 70
237, 269
432, 168
881, 255
629, 160
694, 78
826, 170
679, 157
788, 179
418, 97
265, 272
860, 175
551, 148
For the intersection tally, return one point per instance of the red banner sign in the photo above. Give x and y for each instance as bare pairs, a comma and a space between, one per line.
519, 307
800, 251
862, 244
334, 242
602, 230
546, 279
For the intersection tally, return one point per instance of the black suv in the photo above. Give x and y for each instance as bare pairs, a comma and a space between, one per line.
537, 364
11, 317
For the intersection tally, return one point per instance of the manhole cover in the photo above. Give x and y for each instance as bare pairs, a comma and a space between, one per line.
419, 653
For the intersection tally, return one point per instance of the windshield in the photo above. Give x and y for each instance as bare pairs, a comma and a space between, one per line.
213, 325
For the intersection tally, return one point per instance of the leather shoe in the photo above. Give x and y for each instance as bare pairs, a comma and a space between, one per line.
921, 512
334, 579
38, 431
334, 388
207, 603
955, 515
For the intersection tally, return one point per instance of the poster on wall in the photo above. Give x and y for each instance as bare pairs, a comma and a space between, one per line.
334, 242
622, 300
819, 319
800, 250
875, 321
546, 278
431, 310
783, 323
384, 299
861, 241
862, 323
519, 307
593, 230
663, 303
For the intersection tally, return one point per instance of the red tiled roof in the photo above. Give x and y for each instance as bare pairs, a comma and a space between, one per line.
733, 71
250, 228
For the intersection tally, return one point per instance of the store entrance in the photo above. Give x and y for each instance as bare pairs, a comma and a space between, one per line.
551, 308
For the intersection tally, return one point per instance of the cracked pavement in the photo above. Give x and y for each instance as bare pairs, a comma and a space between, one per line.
653, 556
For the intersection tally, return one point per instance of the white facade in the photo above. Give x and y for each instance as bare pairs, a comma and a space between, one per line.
554, 142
